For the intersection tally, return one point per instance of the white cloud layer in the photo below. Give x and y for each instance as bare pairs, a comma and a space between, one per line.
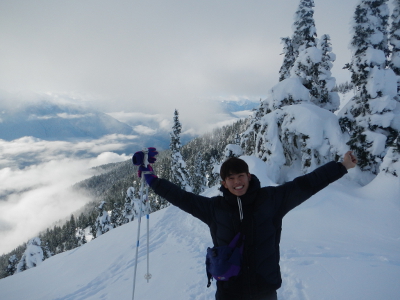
36, 195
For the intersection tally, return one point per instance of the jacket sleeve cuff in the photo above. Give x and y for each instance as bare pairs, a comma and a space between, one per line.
342, 168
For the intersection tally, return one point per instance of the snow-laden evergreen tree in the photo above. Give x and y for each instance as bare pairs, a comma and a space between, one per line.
370, 117
310, 60
289, 57
344, 87
102, 223
47, 253
132, 206
304, 37
199, 180
71, 241
301, 136
305, 76
212, 161
179, 175
12, 265
304, 31
323, 85
116, 215
232, 150
32, 256
247, 138
306, 67
81, 237
394, 39
313, 66
391, 161
392, 158
236, 141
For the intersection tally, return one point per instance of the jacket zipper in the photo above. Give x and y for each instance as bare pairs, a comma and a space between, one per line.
239, 201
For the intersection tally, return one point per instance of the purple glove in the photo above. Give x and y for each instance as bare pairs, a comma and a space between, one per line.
138, 157
148, 173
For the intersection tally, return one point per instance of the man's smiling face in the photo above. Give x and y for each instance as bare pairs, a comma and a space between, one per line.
237, 184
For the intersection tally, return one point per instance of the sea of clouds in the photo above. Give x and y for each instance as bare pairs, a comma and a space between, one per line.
36, 177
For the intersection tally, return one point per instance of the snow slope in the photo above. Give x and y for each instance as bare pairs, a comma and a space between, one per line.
343, 243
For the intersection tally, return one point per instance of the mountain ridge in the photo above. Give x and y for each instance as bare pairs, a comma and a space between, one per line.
53, 120
56, 121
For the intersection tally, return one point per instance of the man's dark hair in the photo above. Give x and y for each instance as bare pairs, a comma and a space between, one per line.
233, 165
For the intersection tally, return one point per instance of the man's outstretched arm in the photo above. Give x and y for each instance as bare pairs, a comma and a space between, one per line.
198, 206
303, 187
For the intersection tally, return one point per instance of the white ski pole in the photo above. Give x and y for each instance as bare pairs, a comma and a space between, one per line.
147, 276
142, 183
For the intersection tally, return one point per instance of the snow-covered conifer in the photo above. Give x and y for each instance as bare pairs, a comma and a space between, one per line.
102, 223
212, 160
304, 31
178, 166
313, 66
71, 241
287, 92
304, 77
47, 253
306, 67
81, 237
394, 39
116, 215
369, 43
391, 161
288, 58
309, 59
370, 117
236, 141
129, 213
247, 138
32, 256
199, 180
324, 83
301, 136
12, 265
232, 150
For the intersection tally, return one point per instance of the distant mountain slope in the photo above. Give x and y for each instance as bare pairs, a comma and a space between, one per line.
58, 121
235, 106
65, 120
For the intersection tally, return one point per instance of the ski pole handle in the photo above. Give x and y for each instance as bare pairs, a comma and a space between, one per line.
145, 156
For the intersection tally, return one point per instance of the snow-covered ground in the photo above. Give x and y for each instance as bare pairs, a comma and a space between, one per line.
343, 243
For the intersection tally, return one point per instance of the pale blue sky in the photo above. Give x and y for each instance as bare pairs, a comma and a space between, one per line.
166, 53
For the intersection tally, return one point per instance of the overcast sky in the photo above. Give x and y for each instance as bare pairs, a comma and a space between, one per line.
141, 57
156, 54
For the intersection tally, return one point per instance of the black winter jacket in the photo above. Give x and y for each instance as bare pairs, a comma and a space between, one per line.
263, 210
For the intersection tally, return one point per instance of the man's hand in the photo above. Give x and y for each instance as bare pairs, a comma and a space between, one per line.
138, 157
349, 160
148, 174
